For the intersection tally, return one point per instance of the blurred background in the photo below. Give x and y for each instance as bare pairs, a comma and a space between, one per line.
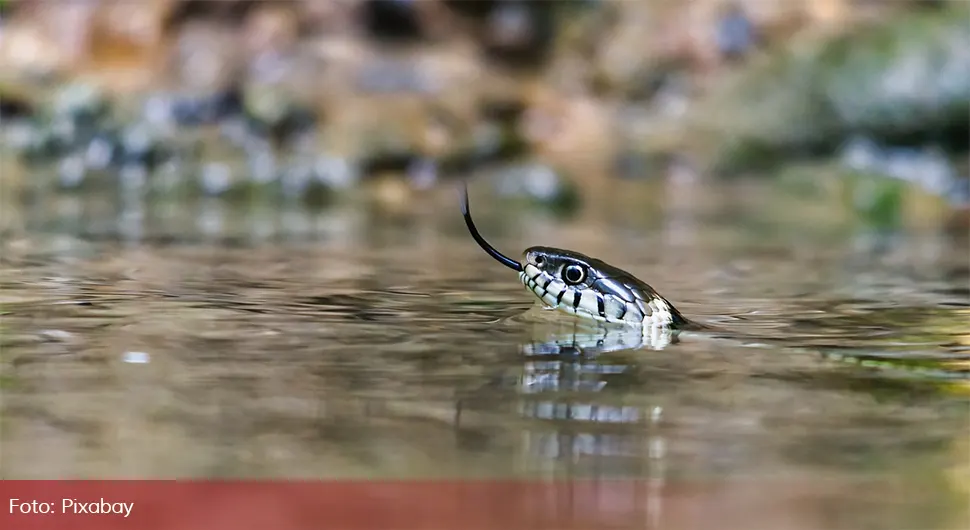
231, 245
304, 100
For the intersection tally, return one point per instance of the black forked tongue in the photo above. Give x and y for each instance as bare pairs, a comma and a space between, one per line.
501, 258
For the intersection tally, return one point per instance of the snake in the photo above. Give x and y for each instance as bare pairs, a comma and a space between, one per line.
597, 292
585, 287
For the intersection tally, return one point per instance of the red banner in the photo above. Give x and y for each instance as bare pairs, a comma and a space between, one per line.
458, 505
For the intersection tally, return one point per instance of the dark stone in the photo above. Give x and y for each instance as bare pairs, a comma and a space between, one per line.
392, 20
206, 109
13, 108
736, 34
294, 123
397, 161
520, 34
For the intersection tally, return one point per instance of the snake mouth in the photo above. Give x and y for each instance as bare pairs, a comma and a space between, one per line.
489, 249
555, 294
545, 288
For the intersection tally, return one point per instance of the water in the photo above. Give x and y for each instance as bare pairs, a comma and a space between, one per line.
199, 340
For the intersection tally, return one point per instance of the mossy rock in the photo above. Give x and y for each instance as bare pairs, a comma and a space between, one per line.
903, 81
910, 77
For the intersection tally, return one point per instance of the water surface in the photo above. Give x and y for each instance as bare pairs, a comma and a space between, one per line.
203, 341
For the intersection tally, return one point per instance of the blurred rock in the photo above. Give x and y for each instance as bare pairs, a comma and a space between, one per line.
284, 94
18, 135
735, 34
423, 173
83, 104
206, 59
236, 131
634, 165
101, 152
539, 183
331, 17
275, 113
270, 28
396, 77
193, 108
35, 144
520, 33
16, 102
336, 172
140, 144
229, 12
141, 23
133, 177
861, 154
959, 192
167, 180
26, 53
71, 171
392, 194
384, 133
296, 179
215, 178
392, 20
64, 122
516, 33
44, 39
262, 162
536, 181
927, 168
301, 97
488, 143
315, 179
578, 133
902, 80
623, 57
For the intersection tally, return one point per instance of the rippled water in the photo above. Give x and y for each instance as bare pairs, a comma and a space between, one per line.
193, 341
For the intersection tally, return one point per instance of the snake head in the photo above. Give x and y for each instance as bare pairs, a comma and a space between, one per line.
592, 289
581, 285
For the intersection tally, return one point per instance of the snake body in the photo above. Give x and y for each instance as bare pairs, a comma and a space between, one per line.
602, 294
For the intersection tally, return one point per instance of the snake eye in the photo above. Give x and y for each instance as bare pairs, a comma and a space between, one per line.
540, 261
574, 274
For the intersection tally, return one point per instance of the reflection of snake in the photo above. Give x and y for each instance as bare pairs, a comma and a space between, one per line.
603, 294
585, 286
